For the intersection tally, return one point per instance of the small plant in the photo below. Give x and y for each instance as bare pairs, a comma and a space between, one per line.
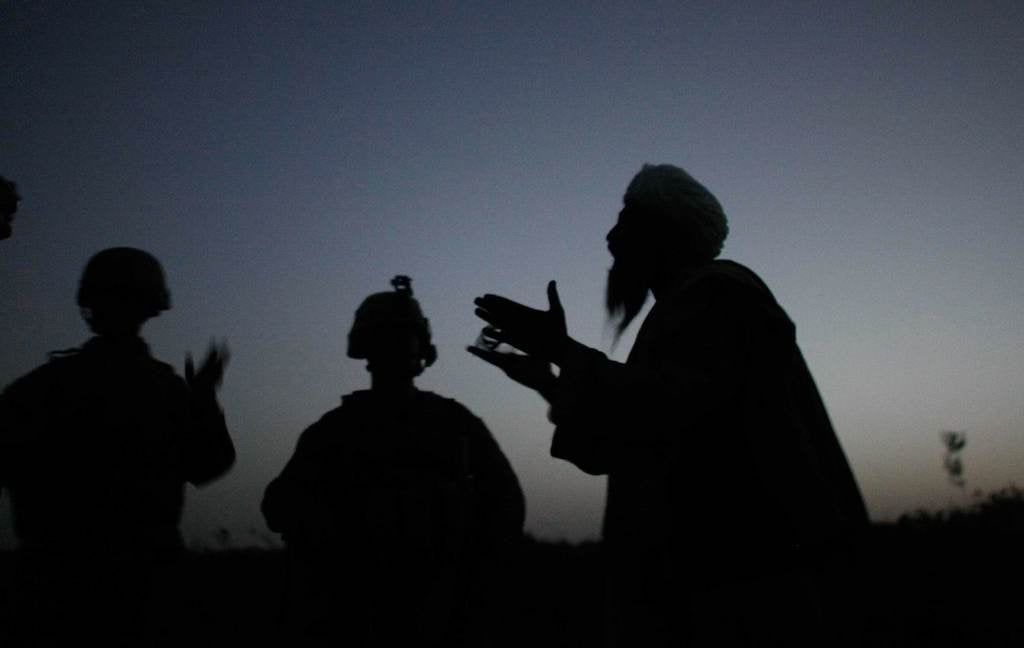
952, 462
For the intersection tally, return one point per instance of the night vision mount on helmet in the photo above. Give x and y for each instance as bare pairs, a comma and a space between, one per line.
384, 311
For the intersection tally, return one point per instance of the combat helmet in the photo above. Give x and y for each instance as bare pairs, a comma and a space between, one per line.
389, 310
124, 275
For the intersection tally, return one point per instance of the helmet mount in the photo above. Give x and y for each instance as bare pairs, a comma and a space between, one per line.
383, 315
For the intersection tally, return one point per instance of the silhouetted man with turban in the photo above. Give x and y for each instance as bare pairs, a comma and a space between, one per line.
727, 487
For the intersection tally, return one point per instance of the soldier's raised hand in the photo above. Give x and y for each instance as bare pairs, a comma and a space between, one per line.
211, 371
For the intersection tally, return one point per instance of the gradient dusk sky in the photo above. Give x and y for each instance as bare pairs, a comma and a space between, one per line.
284, 160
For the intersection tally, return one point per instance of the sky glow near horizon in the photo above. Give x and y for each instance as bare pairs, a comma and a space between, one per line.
283, 164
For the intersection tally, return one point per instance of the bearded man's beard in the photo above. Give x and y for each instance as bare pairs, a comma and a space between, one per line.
625, 294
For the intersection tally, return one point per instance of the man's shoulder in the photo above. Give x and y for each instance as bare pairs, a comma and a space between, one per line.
729, 276
723, 292
720, 285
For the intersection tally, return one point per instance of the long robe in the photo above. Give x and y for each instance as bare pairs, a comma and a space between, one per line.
722, 463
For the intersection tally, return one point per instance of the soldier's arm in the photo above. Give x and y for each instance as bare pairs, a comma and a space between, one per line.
208, 448
210, 453
8, 446
275, 505
286, 504
504, 507
20, 405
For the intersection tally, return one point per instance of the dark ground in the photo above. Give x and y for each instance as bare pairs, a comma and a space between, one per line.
939, 579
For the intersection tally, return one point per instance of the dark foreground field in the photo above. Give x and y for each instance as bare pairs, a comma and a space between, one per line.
951, 579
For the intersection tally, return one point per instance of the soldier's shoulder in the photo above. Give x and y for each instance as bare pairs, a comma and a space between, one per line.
354, 406
42, 375
448, 408
335, 428
161, 368
159, 373
58, 363
326, 426
433, 399
352, 400
61, 372
93, 358
332, 417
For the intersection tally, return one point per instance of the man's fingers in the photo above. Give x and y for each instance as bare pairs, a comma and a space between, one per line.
489, 338
497, 320
478, 352
491, 301
486, 316
492, 357
492, 333
500, 306
223, 354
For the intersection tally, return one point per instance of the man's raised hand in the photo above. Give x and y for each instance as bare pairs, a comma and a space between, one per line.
529, 371
536, 332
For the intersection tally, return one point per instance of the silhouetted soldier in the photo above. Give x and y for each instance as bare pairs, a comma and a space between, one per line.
727, 487
95, 448
8, 206
398, 504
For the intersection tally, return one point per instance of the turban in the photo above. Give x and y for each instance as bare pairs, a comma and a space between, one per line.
668, 192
